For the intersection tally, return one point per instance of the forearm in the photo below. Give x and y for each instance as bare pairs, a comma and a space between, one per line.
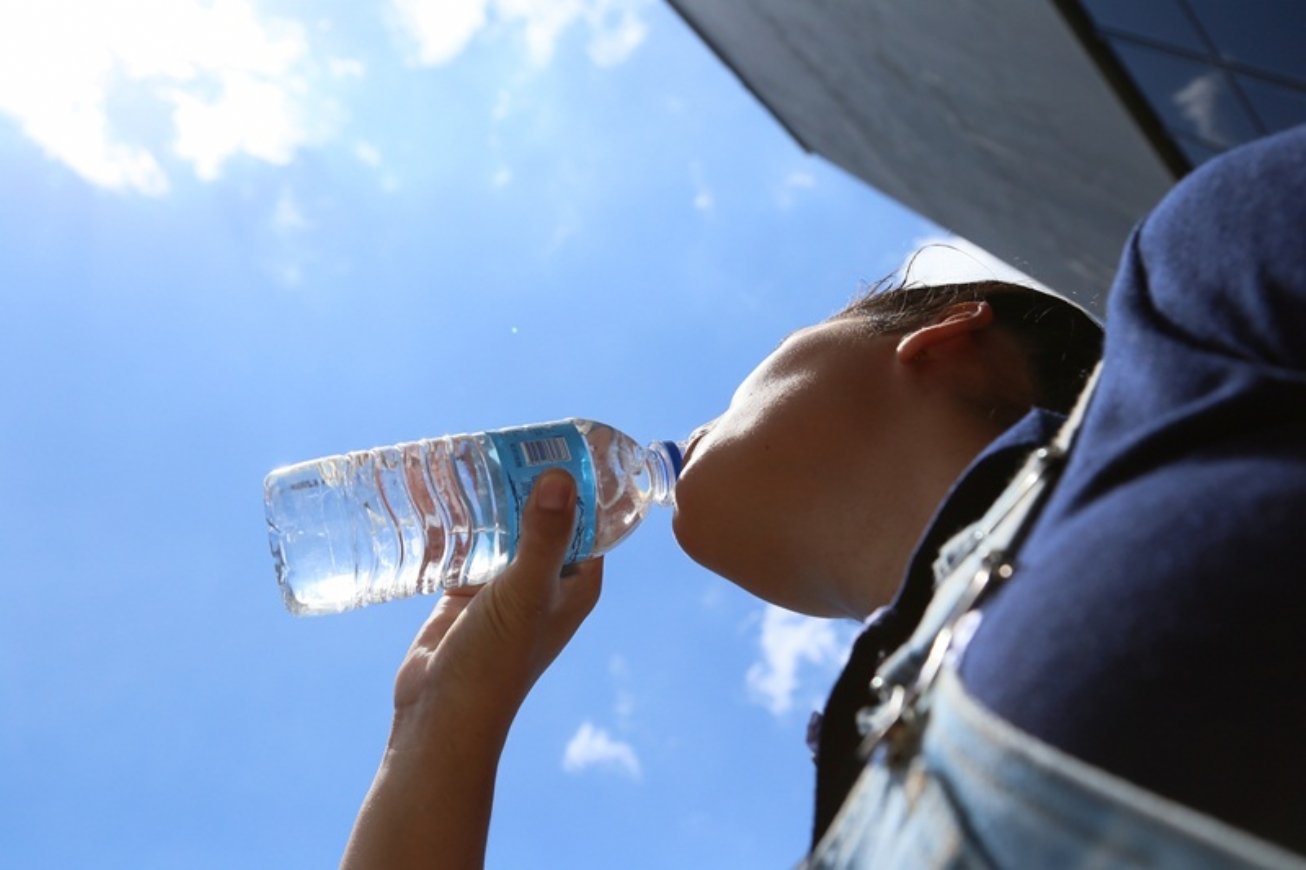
429, 804
458, 690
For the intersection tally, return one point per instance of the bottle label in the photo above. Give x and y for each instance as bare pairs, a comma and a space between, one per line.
527, 452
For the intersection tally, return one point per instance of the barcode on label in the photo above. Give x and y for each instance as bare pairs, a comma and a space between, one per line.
545, 450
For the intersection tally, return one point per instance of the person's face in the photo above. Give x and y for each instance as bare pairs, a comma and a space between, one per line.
781, 492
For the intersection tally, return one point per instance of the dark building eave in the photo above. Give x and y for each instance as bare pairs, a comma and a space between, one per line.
992, 120
729, 64
1130, 96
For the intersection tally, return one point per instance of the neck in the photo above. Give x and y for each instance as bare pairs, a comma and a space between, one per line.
867, 576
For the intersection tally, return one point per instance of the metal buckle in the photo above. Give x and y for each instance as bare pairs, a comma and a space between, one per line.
888, 723
897, 722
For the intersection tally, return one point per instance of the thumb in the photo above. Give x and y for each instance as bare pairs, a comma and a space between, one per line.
547, 524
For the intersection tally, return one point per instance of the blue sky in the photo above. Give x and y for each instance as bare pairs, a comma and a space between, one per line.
238, 234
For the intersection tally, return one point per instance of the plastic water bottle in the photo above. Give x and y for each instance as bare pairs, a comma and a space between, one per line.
387, 523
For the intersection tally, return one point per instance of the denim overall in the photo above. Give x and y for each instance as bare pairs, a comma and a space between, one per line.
949, 785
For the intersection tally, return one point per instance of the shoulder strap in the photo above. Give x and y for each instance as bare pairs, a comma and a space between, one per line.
902, 682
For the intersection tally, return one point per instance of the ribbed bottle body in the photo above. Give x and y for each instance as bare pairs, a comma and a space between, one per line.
374, 525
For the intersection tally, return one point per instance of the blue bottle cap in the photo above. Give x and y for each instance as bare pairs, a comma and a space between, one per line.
676, 455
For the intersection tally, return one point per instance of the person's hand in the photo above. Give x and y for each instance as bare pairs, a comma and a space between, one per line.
483, 647
459, 688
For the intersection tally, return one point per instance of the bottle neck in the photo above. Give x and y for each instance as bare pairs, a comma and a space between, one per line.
663, 460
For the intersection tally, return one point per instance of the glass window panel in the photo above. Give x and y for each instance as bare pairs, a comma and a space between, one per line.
1162, 20
1196, 151
1278, 107
1266, 34
1190, 97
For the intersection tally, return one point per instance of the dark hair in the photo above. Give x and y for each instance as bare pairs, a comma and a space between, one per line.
1061, 342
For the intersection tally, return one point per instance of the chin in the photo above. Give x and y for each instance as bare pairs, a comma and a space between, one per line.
706, 539
692, 538
702, 529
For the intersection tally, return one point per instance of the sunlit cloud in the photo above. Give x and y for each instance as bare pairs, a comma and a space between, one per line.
791, 643
1199, 102
789, 190
252, 117
563, 232
799, 180
440, 30
613, 44
346, 68
502, 106
367, 154
288, 274
226, 80
287, 216
594, 747
704, 199
624, 705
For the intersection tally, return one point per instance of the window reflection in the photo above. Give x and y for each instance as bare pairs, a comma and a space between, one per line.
1216, 73
1161, 20
1191, 98
1266, 34
1195, 150
1278, 108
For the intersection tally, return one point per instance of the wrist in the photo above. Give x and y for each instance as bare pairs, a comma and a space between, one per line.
426, 734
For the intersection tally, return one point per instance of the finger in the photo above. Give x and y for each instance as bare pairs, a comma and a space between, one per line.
547, 524
450, 604
411, 678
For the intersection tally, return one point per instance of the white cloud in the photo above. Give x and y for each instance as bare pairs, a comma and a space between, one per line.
563, 232
252, 116
288, 274
593, 747
346, 68
704, 200
792, 184
442, 29
1199, 102
227, 80
618, 667
799, 180
543, 22
624, 705
954, 260
502, 106
502, 177
287, 216
610, 46
368, 154
789, 641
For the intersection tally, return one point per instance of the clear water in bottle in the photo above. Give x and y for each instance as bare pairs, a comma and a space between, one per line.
374, 525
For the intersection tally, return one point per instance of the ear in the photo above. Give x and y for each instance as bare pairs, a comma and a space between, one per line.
956, 321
